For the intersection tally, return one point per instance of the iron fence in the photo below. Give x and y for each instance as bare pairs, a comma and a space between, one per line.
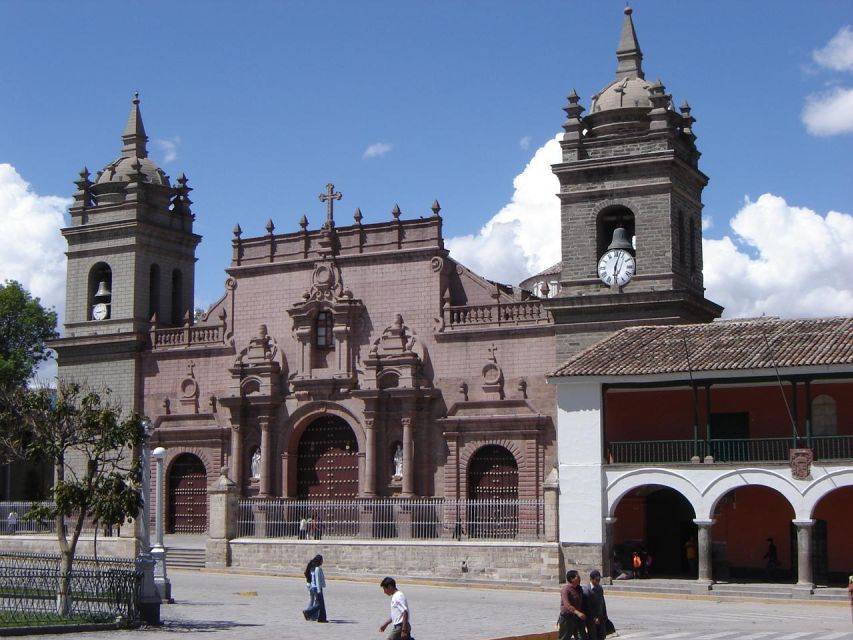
19, 523
832, 447
392, 518
98, 590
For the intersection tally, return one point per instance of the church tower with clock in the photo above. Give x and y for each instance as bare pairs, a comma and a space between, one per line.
631, 210
131, 259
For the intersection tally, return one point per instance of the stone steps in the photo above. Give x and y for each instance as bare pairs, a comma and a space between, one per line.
728, 590
185, 558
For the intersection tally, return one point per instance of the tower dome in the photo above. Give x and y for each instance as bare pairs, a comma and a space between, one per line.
134, 155
625, 102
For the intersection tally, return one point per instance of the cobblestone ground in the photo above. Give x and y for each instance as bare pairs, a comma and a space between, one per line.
224, 606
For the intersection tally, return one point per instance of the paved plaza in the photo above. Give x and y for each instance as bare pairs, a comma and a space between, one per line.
222, 606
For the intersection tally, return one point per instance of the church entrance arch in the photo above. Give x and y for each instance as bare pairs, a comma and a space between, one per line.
493, 493
327, 455
658, 521
187, 495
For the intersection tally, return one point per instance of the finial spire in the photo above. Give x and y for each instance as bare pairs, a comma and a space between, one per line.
134, 137
628, 54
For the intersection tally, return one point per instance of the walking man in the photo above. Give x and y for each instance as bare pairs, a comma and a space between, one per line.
400, 620
595, 607
772, 558
572, 621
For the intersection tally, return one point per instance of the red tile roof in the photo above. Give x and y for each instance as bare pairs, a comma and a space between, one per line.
726, 345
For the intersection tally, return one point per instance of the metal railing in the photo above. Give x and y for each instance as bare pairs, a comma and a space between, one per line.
392, 518
495, 315
98, 590
728, 450
20, 524
832, 447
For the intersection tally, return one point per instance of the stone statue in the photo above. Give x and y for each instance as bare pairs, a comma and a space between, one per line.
256, 464
398, 461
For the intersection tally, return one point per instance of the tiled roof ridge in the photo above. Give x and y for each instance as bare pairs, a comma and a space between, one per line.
736, 344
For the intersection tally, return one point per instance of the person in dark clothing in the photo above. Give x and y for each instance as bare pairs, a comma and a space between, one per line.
595, 607
771, 556
572, 621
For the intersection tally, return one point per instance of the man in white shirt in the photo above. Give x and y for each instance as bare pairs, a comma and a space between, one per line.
400, 619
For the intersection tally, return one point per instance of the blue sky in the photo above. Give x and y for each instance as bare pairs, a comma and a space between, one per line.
263, 103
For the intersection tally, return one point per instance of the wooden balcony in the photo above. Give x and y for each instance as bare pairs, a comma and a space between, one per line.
751, 450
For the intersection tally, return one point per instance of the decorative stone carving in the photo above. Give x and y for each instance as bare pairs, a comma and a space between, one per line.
801, 463
256, 369
396, 359
493, 375
188, 390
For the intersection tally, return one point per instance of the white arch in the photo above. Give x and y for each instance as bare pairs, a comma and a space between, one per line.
728, 481
825, 485
644, 477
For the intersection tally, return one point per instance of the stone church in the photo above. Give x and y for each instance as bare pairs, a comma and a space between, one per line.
361, 361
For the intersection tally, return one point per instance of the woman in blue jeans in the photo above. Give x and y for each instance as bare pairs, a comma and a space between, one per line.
315, 581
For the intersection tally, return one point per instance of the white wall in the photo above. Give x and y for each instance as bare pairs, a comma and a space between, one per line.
579, 455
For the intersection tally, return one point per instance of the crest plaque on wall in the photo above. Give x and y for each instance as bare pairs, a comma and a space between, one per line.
801, 463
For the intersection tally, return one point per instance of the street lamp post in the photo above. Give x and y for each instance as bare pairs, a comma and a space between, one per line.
158, 551
149, 600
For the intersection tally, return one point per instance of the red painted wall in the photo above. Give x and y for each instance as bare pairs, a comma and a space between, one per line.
664, 414
837, 509
746, 519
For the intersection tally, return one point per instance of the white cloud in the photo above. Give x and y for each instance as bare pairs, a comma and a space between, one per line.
377, 150
829, 113
782, 260
169, 147
524, 143
523, 238
777, 259
32, 251
838, 52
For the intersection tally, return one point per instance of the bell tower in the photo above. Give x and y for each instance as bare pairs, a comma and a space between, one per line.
630, 186
131, 256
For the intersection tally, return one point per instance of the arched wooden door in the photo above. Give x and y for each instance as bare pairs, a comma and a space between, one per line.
187, 495
327, 467
493, 493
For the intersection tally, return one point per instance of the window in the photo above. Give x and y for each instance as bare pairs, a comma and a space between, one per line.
824, 416
100, 290
682, 258
323, 337
154, 291
693, 262
177, 296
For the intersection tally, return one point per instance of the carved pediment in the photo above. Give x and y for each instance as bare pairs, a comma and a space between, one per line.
256, 370
395, 360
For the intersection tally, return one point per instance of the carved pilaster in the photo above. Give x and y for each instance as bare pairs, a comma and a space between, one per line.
408, 457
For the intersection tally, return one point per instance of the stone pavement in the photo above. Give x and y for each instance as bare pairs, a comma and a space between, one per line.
224, 606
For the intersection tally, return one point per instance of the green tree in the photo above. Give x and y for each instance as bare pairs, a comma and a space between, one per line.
25, 327
95, 457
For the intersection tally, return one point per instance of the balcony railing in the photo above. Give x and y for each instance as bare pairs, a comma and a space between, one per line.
495, 315
826, 448
392, 518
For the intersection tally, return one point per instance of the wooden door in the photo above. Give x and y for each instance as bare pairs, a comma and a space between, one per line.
187, 495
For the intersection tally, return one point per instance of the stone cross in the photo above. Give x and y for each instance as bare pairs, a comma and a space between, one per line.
492, 350
329, 198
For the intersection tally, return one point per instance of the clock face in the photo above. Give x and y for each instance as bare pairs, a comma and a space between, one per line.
616, 268
100, 311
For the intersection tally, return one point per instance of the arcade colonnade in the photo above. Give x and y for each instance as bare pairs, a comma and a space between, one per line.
705, 488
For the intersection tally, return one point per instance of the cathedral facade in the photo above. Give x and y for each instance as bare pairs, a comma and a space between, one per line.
347, 361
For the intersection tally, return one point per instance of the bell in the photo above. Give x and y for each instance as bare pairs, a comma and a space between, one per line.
620, 240
103, 290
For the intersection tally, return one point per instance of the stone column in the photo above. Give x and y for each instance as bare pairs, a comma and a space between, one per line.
408, 458
805, 573
369, 458
551, 490
237, 453
223, 511
266, 457
285, 475
706, 576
